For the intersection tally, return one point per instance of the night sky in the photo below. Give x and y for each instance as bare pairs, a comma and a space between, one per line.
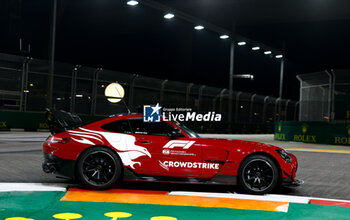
113, 35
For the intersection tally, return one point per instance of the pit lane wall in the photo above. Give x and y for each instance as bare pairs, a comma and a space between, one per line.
335, 133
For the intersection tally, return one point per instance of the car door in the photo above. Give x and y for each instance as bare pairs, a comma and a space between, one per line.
169, 157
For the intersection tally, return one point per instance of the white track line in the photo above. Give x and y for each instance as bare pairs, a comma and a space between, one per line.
268, 197
62, 187
10, 187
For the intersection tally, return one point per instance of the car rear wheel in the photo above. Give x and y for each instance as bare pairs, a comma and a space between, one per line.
99, 168
258, 174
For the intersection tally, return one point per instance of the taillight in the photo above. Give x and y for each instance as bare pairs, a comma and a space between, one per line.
57, 140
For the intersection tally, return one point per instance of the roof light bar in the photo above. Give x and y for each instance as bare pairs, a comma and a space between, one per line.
169, 16
132, 2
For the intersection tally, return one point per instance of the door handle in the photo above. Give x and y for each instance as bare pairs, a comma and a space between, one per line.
144, 141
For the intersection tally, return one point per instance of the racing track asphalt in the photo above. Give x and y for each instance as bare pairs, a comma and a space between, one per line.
325, 174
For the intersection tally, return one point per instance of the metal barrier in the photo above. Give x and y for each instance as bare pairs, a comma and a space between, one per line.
80, 89
325, 96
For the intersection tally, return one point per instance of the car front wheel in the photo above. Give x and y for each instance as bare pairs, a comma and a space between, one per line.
99, 168
258, 174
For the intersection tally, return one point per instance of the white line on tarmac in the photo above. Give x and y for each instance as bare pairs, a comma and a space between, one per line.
267, 197
10, 187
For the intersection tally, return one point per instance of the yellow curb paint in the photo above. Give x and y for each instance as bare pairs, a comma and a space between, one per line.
18, 218
67, 216
163, 218
177, 200
116, 215
320, 150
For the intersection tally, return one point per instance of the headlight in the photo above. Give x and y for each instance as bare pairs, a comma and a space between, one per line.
285, 155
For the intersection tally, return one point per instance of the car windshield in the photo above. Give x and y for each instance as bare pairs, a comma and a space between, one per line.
188, 131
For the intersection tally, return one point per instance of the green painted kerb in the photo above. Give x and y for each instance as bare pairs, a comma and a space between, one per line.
313, 132
43, 205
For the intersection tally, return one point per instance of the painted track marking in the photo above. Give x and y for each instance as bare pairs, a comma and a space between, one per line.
176, 200
319, 150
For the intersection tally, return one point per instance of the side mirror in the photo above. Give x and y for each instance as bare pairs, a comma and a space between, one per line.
176, 133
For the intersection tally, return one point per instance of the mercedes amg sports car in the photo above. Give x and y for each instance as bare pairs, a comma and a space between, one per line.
123, 147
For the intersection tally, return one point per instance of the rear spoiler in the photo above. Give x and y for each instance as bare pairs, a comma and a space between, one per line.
60, 121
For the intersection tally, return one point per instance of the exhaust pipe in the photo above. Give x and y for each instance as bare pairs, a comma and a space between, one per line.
49, 167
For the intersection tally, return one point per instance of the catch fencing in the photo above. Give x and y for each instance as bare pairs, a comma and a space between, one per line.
325, 96
80, 89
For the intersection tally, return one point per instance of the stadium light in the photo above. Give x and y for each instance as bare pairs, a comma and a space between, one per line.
199, 27
255, 48
279, 56
132, 3
224, 36
242, 43
169, 16
268, 52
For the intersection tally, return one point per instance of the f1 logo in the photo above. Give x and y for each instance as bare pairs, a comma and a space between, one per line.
151, 113
177, 143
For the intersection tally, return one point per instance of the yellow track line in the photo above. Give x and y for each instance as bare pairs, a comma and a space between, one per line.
177, 200
320, 150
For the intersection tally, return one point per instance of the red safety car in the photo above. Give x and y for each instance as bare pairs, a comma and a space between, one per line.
123, 147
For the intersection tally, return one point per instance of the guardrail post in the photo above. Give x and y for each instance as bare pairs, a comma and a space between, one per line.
276, 103
24, 85
221, 99
200, 97
286, 112
94, 90
237, 105
188, 92
131, 91
251, 108
73, 88
295, 110
162, 91
264, 109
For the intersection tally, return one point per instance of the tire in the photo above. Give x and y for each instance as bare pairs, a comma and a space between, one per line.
258, 174
99, 168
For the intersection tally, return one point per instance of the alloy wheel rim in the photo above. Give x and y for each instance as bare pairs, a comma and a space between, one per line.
258, 175
99, 168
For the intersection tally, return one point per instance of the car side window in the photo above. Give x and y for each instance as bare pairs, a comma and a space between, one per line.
120, 126
149, 128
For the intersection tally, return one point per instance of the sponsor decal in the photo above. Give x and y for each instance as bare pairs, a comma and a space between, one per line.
123, 143
279, 127
163, 165
304, 127
280, 136
43, 125
305, 138
342, 140
177, 152
3, 124
151, 113
191, 165
179, 143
